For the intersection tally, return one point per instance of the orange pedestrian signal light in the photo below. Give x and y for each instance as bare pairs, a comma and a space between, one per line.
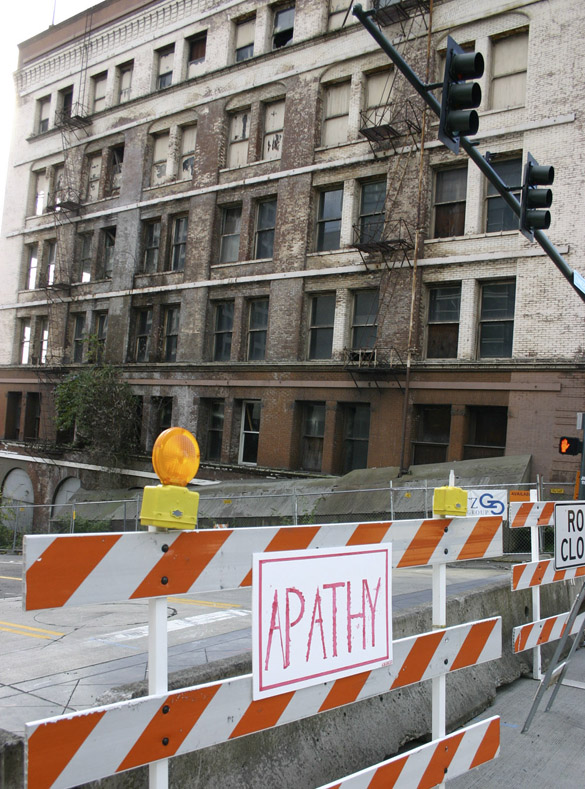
570, 445
175, 459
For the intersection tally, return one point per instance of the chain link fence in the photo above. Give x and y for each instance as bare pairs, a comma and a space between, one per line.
291, 507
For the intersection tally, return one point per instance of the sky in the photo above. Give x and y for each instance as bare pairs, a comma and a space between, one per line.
20, 21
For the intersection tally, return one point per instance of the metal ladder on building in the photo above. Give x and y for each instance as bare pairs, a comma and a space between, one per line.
557, 667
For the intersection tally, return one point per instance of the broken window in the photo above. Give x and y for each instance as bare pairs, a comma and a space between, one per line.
151, 246
124, 78
108, 251
51, 256
94, 175
273, 125
25, 340
85, 257
187, 162
313, 432
284, 22
160, 152
116, 162
165, 58
32, 268
197, 47
143, 334
43, 340
250, 432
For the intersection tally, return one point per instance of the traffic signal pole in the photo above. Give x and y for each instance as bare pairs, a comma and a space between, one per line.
574, 278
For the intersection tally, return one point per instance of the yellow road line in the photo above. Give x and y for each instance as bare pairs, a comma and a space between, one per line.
202, 602
10, 578
22, 633
36, 629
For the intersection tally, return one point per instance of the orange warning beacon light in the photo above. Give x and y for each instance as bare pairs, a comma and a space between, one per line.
175, 458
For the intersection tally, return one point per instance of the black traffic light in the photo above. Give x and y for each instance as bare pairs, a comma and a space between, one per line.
460, 97
534, 201
569, 445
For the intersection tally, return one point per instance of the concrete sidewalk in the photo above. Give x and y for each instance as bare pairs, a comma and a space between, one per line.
552, 752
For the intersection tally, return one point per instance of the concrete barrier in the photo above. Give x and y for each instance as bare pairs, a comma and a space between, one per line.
316, 750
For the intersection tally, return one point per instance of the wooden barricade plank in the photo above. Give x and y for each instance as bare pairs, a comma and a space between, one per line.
429, 765
531, 513
63, 570
543, 631
85, 746
531, 574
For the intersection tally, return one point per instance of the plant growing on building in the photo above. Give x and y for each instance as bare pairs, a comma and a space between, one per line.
99, 408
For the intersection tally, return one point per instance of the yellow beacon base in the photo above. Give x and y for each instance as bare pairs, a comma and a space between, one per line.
169, 507
450, 501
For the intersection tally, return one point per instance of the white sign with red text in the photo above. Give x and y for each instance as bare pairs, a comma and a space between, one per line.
319, 615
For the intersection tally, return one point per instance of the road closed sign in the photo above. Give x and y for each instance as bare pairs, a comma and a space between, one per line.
319, 615
569, 534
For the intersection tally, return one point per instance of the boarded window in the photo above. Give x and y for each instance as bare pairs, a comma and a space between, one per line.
509, 60
273, 125
95, 171
336, 114
313, 431
238, 138
99, 91
125, 81
159, 159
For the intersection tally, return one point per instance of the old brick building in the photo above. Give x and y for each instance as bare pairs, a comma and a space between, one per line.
231, 197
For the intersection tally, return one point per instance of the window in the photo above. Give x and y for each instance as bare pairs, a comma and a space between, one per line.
65, 107
116, 160
372, 211
321, 328
179, 243
229, 249
433, 428
329, 219
443, 324
338, 13
101, 330
378, 89
356, 434
51, 256
215, 430
162, 412
496, 322
450, 196
78, 337
188, 142
336, 114
165, 59
245, 39
257, 329
43, 340
151, 246
43, 109
284, 22
159, 159
99, 84
486, 432
143, 334
313, 431
25, 341
365, 312
250, 432
33, 264
197, 46
108, 250
499, 215
85, 257
222, 332
60, 191
94, 176
32, 416
13, 412
41, 192
238, 141
273, 125
265, 222
124, 77
509, 60
171, 333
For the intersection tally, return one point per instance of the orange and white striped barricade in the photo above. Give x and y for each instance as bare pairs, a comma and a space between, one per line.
535, 634
63, 570
85, 746
533, 515
430, 764
530, 574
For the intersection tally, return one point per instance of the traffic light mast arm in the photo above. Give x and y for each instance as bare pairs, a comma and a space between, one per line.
574, 278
